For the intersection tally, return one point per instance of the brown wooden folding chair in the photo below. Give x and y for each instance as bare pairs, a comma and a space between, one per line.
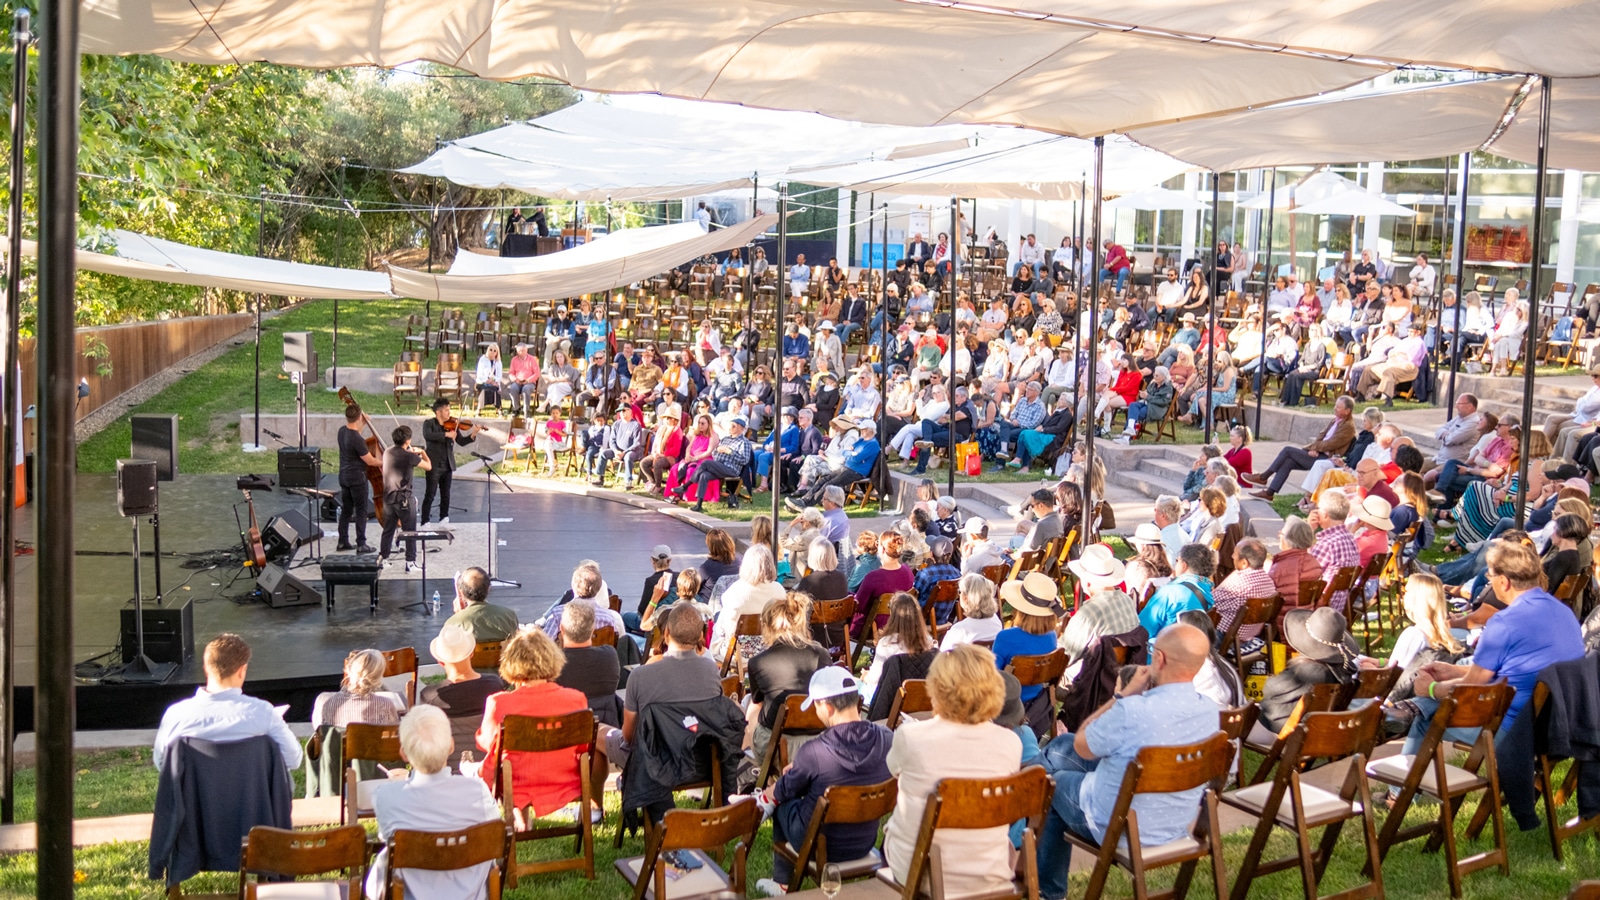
547, 735
1467, 706
374, 743
1369, 684
1262, 611
402, 662
792, 722
839, 805
1340, 580
282, 852
826, 613
942, 592
962, 804
912, 699
747, 626
1236, 722
694, 832
1320, 698
486, 654
1045, 670
443, 851
1556, 795
1288, 802
1164, 770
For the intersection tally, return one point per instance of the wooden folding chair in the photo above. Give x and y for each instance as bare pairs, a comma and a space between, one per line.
943, 592
839, 805
1045, 670
792, 722
1467, 706
1363, 605
962, 804
747, 626
1320, 698
373, 743
1164, 770
1340, 580
1585, 890
996, 574
417, 336
827, 613
408, 381
447, 380
878, 609
1556, 795
604, 636
1262, 611
548, 735
444, 851
693, 833
1321, 735
912, 699
300, 854
1369, 684
486, 654
1236, 722
1027, 561
402, 662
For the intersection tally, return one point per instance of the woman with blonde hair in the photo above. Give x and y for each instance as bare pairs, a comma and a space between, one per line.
981, 613
1204, 524
530, 663
785, 666
1427, 639
757, 586
360, 697
961, 740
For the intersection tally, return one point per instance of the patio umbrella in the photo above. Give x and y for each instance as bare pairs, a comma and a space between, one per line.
1353, 203
1157, 198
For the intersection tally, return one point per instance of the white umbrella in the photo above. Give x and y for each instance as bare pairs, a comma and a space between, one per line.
1157, 198
1354, 203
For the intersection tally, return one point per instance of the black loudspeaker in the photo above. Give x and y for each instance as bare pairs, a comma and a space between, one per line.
285, 533
168, 634
283, 589
299, 467
156, 437
300, 355
136, 487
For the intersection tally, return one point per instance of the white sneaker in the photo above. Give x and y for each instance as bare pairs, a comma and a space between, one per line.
413, 567
767, 806
766, 887
445, 521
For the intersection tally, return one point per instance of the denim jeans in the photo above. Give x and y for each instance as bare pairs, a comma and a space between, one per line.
1122, 278
1460, 571
1055, 854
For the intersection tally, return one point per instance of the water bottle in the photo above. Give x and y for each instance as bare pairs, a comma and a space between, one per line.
433, 606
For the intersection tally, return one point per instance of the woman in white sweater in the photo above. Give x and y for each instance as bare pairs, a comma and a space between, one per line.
757, 584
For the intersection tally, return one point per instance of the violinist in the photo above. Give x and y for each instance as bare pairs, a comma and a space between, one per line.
438, 433
354, 458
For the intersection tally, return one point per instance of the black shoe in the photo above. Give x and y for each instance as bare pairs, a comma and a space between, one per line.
1388, 403
344, 545
698, 507
363, 548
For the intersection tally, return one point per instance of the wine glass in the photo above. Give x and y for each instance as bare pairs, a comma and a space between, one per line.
831, 881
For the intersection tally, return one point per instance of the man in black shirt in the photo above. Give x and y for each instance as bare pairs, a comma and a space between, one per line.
353, 462
436, 439
593, 670
792, 390
399, 501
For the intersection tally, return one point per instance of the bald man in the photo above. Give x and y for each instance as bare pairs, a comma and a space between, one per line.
1158, 706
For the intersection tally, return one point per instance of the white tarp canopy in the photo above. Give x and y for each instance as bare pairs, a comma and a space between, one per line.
1157, 198
886, 61
1574, 133
611, 261
1420, 123
650, 147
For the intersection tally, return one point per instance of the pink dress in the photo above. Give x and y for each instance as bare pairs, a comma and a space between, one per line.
700, 444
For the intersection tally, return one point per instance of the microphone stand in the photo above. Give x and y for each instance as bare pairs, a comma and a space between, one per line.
488, 485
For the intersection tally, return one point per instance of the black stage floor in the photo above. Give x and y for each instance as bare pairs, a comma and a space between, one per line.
300, 650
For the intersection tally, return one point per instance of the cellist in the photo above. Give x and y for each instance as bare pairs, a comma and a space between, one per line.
354, 458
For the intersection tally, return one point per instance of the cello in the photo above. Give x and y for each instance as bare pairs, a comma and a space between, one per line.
375, 448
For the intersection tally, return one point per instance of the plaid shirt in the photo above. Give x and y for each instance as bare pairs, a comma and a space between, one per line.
1230, 595
1105, 613
927, 578
734, 451
1336, 549
1027, 414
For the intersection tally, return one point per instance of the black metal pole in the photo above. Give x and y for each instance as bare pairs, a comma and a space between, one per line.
950, 281
748, 280
883, 350
1211, 327
1534, 278
261, 250
334, 380
1091, 371
57, 452
1081, 251
605, 343
1261, 365
775, 479
11, 417
1459, 248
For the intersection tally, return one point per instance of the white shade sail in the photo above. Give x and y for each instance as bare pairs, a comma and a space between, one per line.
1157, 198
609, 262
1574, 135
1421, 123
862, 60
1353, 203
1549, 37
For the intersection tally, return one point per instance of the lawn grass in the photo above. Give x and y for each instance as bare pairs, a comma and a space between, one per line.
118, 871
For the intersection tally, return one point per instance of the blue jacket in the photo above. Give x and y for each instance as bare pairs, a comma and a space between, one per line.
863, 456
796, 345
851, 753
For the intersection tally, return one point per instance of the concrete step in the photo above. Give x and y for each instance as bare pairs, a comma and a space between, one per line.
1147, 483
1166, 468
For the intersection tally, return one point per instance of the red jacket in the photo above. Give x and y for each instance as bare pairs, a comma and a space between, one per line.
1127, 384
1117, 259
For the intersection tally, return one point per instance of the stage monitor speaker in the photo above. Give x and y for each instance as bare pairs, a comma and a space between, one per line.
300, 355
287, 532
283, 589
136, 487
156, 437
299, 467
168, 633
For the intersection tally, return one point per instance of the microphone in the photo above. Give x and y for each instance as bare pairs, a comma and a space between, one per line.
271, 434
486, 459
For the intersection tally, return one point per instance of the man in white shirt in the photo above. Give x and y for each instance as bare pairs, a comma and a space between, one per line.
221, 712
1565, 431
1403, 363
1169, 296
978, 552
1423, 277
799, 276
1457, 436
702, 216
432, 799
1030, 253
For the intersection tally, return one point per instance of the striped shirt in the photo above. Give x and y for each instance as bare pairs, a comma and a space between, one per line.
1336, 549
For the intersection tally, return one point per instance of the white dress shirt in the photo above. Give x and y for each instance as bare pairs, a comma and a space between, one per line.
226, 715
439, 802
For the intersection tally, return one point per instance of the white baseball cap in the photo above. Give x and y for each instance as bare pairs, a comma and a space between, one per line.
974, 525
829, 681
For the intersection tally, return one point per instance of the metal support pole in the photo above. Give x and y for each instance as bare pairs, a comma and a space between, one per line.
1091, 252
1210, 426
57, 452
333, 382
1534, 278
10, 416
1261, 366
1459, 248
950, 281
605, 316
1091, 371
883, 350
775, 479
261, 250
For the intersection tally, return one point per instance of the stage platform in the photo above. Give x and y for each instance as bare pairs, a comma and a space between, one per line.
299, 651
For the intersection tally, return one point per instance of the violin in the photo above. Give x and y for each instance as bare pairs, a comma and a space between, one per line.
454, 425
